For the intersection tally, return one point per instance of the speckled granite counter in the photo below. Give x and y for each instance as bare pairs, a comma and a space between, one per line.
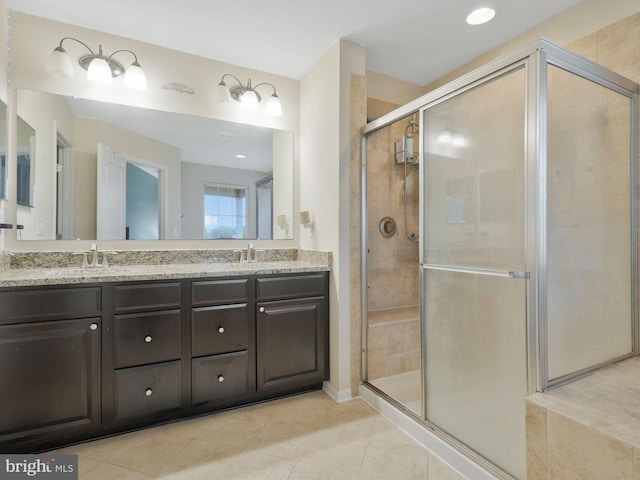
22, 277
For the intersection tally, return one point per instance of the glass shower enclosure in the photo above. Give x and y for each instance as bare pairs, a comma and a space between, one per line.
528, 262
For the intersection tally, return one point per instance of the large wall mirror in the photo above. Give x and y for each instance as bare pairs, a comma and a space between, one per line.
106, 171
3, 154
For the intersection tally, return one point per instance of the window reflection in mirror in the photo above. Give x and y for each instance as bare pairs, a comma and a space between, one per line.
133, 173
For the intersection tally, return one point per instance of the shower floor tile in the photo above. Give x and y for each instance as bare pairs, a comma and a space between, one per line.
406, 388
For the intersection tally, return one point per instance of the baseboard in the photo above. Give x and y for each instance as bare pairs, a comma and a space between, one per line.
338, 396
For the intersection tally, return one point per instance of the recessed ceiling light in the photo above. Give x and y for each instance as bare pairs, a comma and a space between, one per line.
241, 156
480, 16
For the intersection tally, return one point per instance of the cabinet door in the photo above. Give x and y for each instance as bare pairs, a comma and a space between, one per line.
50, 379
292, 343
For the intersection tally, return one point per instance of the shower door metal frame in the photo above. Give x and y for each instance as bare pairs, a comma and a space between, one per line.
535, 57
550, 54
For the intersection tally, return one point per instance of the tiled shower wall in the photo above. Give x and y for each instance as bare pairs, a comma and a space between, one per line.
393, 275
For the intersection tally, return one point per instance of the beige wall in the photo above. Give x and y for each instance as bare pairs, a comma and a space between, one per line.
563, 29
325, 188
32, 40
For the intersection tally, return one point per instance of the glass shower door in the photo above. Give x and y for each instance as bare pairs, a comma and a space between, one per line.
473, 271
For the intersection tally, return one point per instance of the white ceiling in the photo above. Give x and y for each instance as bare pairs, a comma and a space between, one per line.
413, 40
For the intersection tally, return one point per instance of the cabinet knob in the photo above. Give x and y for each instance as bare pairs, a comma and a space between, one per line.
261, 309
220, 329
220, 378
93, 326
148, 339
148, 392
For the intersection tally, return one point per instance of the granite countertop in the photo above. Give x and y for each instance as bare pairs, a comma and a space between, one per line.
21, 277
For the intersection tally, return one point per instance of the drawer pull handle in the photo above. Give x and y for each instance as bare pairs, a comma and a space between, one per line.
261, 309
93, 326
148, 339
148, 392
220, 378
220, 329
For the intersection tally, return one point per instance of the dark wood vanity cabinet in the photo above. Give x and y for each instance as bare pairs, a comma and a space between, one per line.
222, 341
79, 362
50, 360
292, 333
147, 351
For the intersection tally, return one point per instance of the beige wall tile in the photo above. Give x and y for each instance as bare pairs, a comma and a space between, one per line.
576, 452
536, 442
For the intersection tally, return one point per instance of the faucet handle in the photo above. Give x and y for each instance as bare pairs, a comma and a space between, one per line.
241, 252
85, 262
105, 262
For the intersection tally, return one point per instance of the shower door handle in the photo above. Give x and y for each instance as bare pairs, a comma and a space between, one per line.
519, 274
478, 271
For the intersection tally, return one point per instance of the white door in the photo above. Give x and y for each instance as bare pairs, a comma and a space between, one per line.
112, 194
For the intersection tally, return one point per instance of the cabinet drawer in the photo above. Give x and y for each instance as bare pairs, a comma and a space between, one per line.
148, 390
146, 296
220, 291
294, 286
220, 329
141, 338
50, 303
219, 376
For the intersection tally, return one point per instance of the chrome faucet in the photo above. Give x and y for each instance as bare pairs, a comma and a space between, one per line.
94, 261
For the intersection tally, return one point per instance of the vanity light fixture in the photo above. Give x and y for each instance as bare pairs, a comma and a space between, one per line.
241, 156
480, 16
100, 68
247, 95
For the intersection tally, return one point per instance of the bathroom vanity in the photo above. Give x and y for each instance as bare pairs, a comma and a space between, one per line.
87, 356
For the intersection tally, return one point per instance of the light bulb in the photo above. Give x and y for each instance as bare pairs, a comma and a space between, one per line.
99, 71
249, 100
222, 93
60, 63
135, 78
273, 106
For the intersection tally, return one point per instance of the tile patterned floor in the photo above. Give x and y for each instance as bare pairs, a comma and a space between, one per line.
306, 437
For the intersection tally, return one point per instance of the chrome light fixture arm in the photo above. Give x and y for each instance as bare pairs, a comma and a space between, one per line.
100, 68
248, 96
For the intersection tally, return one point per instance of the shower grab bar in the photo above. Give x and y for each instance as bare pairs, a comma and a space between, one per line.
478, 271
